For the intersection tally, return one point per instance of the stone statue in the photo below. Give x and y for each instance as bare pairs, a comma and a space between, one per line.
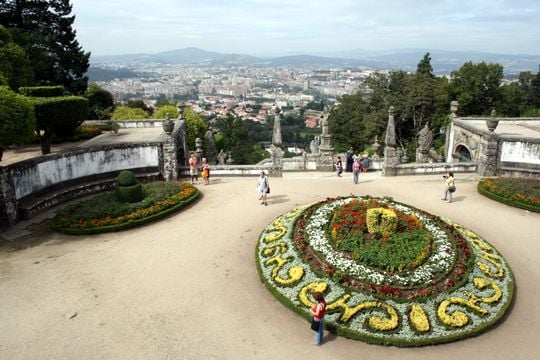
211, 150
169, 169
199, 150
222, 157
314, 145
425, 139
324, 125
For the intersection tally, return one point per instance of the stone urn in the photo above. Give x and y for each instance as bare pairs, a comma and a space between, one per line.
492, 122
168, 124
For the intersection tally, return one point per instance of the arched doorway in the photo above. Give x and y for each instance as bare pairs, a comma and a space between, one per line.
464, 154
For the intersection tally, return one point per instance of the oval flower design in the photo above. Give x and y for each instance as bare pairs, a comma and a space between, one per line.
458, 285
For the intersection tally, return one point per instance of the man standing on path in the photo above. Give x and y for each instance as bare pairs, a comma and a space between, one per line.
193, 169
356, 170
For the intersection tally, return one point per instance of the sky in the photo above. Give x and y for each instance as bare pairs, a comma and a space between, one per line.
285, 27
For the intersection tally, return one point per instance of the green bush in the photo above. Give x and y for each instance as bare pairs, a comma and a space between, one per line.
162, 111
130, 194
17, 120
42, 91
86, 132
128, 113
126, 178
59, 116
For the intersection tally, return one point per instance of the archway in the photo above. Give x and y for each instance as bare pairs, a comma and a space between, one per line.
464, 153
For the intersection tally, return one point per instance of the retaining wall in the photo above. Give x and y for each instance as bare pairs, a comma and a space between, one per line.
34, 184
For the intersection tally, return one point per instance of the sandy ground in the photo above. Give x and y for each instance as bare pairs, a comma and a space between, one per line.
186, 287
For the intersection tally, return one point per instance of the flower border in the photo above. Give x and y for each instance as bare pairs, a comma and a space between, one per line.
462, 312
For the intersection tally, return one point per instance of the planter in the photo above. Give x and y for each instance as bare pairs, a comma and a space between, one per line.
492, 124
168, 126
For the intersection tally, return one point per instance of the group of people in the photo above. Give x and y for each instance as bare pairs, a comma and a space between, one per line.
355, 164
194, 169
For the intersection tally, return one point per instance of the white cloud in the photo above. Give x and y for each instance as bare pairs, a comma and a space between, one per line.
284, 26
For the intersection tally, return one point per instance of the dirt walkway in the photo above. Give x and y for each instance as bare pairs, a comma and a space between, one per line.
187, 287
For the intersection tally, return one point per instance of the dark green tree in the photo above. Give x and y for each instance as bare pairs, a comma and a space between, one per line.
44, 29
476, 87
100, 102
236, 140
14, 67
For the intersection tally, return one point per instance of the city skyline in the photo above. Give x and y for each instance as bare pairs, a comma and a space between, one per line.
270, 28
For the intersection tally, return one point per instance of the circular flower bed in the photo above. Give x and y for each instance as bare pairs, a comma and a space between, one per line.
391, 273
103, 213
518, 192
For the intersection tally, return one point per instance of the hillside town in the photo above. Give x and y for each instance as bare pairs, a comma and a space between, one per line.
248, 91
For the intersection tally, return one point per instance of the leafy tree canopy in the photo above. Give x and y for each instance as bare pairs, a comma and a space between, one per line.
44, 29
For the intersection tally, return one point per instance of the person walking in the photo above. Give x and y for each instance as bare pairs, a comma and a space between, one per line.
365, 162
205, 167
449, 187
339, 166
193, 169
318, 311
263, 188
350, 159
356, 167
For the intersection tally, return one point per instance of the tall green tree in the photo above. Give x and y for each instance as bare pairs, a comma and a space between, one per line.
100, 102
476, 87
236, 140
44, 29
14, 67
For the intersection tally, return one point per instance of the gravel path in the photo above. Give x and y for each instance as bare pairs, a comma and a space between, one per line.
186, 287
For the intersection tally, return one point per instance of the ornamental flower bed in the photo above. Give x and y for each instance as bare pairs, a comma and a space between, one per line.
428, 281
103, 213
519, 192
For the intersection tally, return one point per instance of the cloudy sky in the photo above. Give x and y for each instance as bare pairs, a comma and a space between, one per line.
283, 27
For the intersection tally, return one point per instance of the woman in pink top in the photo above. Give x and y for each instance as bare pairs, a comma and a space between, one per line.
318, 311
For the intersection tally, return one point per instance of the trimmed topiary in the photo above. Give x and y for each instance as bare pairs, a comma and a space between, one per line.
127, 188
126, 178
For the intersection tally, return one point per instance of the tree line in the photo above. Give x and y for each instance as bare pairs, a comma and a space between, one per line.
421, 98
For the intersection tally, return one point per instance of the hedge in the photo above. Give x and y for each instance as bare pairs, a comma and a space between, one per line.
42, 91
60, 115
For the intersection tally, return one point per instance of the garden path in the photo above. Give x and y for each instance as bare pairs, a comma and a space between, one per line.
186, 287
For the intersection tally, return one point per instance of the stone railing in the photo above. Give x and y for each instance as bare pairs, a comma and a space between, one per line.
431, 168
146, 123
32, 185
237, 170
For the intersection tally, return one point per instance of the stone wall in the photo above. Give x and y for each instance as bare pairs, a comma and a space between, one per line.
434, 168
519, 157
34, 180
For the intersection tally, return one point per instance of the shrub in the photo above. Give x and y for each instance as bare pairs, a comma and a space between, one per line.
16, 118
381, 221
126, 178
130, 194
161, 112
42, 91
127, 188
128, 113
58, 115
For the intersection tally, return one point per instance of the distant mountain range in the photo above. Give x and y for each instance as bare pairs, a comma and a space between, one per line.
443, 62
